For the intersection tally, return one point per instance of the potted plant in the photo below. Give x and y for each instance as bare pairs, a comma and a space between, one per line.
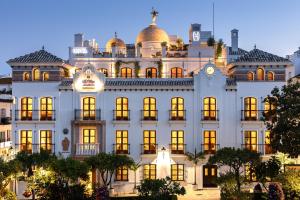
195, 158
134, 167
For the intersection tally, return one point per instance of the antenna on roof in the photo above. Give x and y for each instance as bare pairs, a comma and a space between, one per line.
43, 47
213, 19
254, 46
116, 35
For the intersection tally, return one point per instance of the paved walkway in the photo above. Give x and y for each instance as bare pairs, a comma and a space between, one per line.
208, 194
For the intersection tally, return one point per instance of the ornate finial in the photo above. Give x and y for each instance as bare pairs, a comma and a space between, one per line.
254, 46
154, 14
43, 47
116, 35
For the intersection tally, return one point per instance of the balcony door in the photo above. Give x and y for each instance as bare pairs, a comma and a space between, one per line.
122, 142
26, 141
177, 108
26, 108
149, 108
89, 108
122, 112
46, 140
209, 108
251, 140
46, 107
177, 142
250, 108
209, 176
209, 145
149, 142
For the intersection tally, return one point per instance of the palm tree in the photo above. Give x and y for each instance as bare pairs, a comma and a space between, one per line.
195, 158
134, 167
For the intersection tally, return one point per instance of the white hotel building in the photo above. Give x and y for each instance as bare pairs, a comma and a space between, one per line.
153, 100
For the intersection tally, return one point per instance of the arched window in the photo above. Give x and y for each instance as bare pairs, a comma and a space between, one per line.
151, 72
250, 108
250, 76
270, 76
176, 72
36, 74
89, 108
149, 112
126, 72
122, 112
104, 71
26, 108
209, 108
46, 106
177, 109
260, 74
26, 76
45, 76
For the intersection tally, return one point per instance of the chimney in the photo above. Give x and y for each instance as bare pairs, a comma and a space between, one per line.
78, 40
235, 40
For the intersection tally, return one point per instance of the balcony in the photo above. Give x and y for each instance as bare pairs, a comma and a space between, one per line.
177, 148
149, 148
5, 120
264, 149
36, 148
177, 115
149, 115
35, 115
252, 115
209, 148
121, 149
210, 115
87, 149
121, 115
86, 115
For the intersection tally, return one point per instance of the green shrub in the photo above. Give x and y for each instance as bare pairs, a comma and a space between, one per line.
290, 181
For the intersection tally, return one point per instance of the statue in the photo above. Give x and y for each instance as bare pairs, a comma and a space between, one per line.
154, 14
65, 144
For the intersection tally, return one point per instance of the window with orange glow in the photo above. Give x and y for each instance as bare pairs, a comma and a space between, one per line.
122, 112
126, 72
260, 74
176, 72
151, 72
26, 108
46, 107
251, 140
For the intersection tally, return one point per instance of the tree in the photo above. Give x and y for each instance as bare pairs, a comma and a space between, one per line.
219, 48
134, 167
7, 170
195, 158
160, 189
284, 121
211, 42
290, 181
267, 171
235, 159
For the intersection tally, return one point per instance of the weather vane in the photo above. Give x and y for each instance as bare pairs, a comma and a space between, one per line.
154, 14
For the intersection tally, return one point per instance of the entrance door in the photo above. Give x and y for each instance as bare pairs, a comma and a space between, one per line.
209, 175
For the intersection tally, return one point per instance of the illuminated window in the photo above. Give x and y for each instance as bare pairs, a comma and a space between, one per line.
46, 140
150, 108
209, 108
177, 108
104, 71
268, 148
126, 72
26, 76
250, 108
270, 76
251, 140
45, 76
209, 145
89, 108
250, 76
122, 174
150, 171
122, 142
89, 136
176, 72
149, 142
269, 109
177, 142
260, 74
177, 172
26, 108
151, 72
250, 173
36, 74
26, 141
122, 112
46, 108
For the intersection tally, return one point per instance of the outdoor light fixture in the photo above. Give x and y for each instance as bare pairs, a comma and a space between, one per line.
163, 149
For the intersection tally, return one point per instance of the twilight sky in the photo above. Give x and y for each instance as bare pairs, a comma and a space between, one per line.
25, 26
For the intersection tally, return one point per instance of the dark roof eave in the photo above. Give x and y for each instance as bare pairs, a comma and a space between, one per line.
235, 64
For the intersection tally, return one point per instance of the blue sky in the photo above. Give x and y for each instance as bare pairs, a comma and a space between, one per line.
27, 25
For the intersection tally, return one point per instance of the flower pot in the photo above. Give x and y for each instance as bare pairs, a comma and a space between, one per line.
195, 187
111, 192
135, 190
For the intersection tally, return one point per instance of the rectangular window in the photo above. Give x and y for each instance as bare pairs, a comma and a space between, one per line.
149, 142
251, 140
122, 174
268, 148
46, 140
250, 106
150, 171
209, 108
177, 172
177, 109
209, 145
89, 136
26, 108
46, 108
26, 141
122, 112
177, 142
122, 142
2, 136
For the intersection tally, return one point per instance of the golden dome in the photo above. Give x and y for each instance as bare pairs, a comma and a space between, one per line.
115, 42
152, 34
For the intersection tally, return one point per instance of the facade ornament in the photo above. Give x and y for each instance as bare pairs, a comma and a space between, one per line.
154, 14
65, 144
